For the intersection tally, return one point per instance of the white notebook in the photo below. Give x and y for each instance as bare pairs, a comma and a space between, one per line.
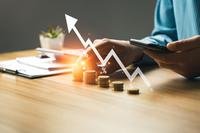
33, 67
45, 63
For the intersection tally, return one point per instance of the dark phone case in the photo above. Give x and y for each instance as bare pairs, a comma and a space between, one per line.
149, 46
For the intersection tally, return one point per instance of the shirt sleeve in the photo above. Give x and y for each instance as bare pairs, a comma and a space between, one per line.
164, 24
164, 28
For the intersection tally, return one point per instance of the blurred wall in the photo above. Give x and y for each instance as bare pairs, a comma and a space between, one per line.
21, 21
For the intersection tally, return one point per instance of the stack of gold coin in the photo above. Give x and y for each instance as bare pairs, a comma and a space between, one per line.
103, 81
77, 73
133, 91
89, 77
118, 86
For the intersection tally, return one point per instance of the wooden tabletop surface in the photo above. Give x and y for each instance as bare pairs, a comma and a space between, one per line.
56, 104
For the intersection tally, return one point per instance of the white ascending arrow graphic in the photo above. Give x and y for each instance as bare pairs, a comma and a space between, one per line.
71, 25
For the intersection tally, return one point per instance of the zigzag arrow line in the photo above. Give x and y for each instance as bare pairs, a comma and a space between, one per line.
71, 25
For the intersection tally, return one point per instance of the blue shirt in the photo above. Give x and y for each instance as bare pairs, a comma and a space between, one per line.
175, 20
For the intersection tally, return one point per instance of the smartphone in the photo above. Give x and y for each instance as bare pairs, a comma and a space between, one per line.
149, 46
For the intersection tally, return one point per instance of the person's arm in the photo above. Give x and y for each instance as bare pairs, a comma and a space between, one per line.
164, 30
185, 53
164, 24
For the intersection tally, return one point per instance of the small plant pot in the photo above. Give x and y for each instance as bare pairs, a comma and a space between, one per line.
52, 43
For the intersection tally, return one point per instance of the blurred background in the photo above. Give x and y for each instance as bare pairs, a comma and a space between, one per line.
21, 21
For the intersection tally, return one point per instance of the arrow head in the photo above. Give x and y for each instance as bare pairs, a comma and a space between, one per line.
70, 22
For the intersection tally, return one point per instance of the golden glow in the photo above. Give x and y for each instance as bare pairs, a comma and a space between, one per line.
82, 63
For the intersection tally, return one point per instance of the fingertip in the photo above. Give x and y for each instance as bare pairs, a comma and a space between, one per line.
96, 41
172, 46
105, 39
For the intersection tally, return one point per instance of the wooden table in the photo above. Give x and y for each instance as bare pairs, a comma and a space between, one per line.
56, 104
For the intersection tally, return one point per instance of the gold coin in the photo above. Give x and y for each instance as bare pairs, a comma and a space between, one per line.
89, 77
118, 86
133, 91
103, 81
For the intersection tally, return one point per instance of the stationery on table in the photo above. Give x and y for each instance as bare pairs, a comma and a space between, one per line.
36, 66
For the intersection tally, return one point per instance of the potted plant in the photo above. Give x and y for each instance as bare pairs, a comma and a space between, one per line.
53, 38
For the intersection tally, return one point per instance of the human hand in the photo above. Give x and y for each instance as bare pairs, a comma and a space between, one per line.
184, 58
126, 52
